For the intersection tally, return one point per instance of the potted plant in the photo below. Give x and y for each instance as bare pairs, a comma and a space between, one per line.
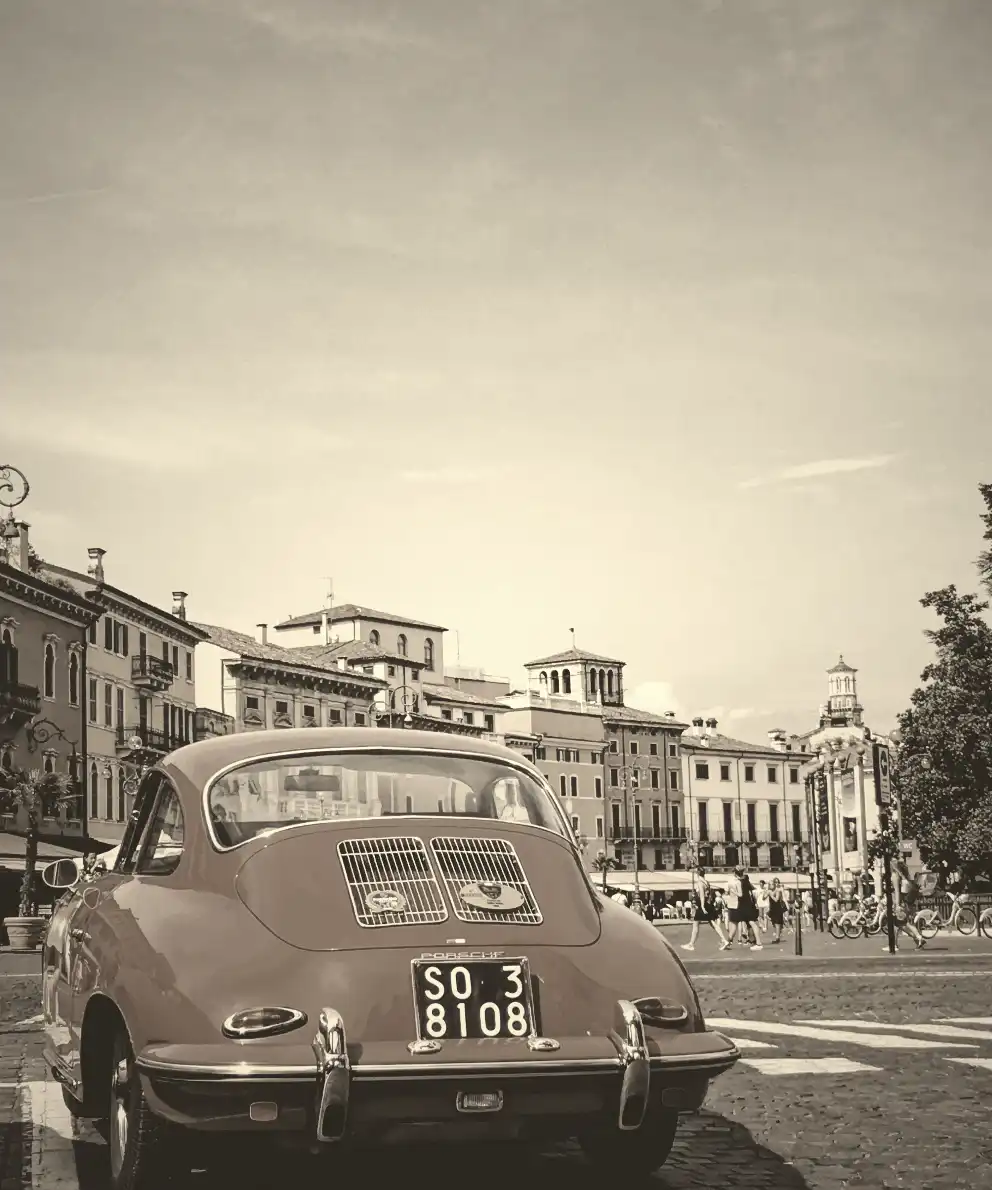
34, 794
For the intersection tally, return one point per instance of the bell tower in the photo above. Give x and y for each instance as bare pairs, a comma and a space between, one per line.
842, 708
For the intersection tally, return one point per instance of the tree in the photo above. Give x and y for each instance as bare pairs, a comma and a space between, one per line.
38, 794
943, 768
604, 863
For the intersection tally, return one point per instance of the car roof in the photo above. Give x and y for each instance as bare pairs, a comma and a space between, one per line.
197, 763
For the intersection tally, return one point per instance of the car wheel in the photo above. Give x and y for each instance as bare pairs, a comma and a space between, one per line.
637, 1154
143, 1148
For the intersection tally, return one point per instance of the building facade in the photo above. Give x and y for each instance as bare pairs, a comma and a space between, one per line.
745, 803
140, 692
43, 665
614, 767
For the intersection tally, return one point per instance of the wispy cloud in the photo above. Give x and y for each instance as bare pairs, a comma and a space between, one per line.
656, 696
819, 468
314, 28
178, 443
449, 475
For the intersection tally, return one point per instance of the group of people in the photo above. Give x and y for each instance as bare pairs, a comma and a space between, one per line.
736, 913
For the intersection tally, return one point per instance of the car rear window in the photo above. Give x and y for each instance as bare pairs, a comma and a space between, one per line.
289, 790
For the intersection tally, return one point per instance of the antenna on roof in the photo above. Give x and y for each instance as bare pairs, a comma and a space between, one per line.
329, 598
572, 630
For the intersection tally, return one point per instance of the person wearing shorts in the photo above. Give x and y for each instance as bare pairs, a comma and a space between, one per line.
732, 899
704, 910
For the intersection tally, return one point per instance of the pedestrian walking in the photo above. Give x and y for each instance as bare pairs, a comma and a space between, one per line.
909, 896
749, 912
776, 909
761, 896
705, 909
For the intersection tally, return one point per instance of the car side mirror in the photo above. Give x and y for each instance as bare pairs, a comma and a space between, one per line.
62, 874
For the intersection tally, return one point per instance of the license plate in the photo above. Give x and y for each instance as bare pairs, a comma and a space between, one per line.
489, 998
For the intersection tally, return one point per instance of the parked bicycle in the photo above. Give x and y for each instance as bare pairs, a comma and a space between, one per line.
868, 920
985, 922
962, 918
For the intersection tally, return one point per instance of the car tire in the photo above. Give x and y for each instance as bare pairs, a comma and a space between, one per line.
144, 1149
637, 1154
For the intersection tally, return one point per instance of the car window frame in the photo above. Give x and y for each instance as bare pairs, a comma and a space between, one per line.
141, 815
166, 788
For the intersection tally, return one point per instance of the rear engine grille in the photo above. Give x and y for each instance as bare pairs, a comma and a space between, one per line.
484, 861
391, 865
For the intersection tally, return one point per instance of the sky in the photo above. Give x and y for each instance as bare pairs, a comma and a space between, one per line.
662, 320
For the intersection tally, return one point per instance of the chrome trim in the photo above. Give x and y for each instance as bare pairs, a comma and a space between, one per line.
367, 865
460, 1104
503, 961
424, 1047
295, 1021
242, 1071
628, 1037
565, 834
464, 860
488, 1070
330, 1046
654, 1012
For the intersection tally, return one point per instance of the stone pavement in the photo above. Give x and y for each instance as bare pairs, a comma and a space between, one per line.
888, 1087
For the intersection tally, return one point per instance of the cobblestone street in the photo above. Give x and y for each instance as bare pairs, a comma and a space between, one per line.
859, 1075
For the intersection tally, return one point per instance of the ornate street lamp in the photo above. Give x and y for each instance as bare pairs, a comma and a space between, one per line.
401, 700
14, 486
40, 731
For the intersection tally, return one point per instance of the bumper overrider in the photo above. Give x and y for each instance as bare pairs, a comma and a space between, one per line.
335, 1090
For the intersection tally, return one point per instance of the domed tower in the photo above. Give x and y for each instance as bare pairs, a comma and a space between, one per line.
842, 708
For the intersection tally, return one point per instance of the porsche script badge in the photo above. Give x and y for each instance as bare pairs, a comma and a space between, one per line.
489, 895
385, 900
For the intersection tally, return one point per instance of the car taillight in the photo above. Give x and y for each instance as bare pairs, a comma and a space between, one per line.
263, 1022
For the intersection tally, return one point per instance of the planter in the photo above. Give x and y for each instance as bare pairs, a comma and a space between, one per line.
25, 933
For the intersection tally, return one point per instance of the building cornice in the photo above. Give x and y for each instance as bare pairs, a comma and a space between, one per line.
343, 682
31, 591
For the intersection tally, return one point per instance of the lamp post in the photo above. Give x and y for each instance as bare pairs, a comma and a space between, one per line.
637, 904
408, 705
39, 731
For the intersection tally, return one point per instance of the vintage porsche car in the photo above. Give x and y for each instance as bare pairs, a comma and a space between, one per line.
334, 937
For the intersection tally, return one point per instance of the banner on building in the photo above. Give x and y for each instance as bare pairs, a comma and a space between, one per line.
883, 784
850, 834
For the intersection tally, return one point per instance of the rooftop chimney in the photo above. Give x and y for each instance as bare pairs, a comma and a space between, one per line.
263, 633
179, 604
697, 726
95, 568
777, 738
15, 550
325, 626
711, 727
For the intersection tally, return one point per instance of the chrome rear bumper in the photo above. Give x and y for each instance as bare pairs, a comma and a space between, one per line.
628, 1051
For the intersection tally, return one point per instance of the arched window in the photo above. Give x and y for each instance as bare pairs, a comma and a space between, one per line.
74, 680
592, 681
554, 682
8, 658
609, 681
49, 763
49, 670
401, 644
6, 760
121, 801
428, 654
108, 795
602, 681
542, 681
374, 637
566, 682
94, 791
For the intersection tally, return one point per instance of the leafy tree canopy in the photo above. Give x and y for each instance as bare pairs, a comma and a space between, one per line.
943, 771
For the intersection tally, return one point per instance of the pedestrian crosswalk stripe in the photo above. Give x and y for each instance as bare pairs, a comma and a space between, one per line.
806, 1065
964, 1020
877, 1041
746, 1043
984, 1063
933, 1030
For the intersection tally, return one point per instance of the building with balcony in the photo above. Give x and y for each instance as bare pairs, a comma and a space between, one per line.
615, 768
140, 689
43, 667
745, 803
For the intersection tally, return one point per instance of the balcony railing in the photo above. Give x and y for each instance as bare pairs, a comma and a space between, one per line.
645, 834
151, 672
153, 739
757, 839
18, 702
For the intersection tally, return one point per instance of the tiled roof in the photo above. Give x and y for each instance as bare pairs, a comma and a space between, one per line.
351, 611
573, 655
648, 718
87, 585
249, 648
353, 650
724, 743
462, 698
842, 667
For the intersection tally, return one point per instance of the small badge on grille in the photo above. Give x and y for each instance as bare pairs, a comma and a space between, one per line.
385, 900
489, 895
